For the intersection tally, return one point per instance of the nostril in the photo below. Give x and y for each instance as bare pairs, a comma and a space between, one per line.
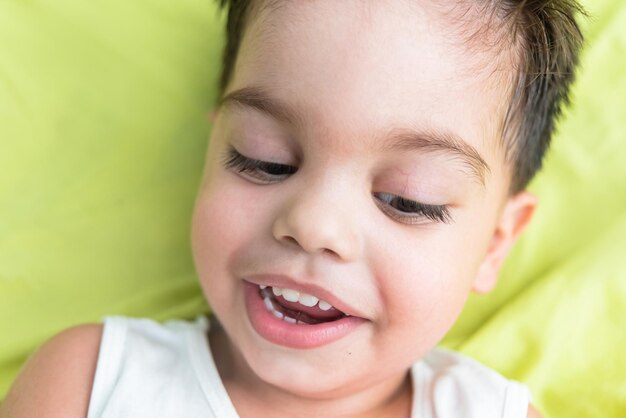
291, 240
330, 252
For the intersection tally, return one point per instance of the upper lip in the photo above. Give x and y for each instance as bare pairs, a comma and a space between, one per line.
283, 281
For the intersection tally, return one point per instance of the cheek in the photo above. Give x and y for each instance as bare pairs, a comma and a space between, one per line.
430, 290
424, 284
219, 229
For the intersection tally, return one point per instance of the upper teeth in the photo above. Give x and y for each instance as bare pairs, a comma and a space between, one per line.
300, 297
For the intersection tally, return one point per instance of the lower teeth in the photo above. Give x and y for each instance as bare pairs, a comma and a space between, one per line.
270, 307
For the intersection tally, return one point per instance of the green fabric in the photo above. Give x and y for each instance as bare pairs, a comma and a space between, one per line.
103, 126
102, 133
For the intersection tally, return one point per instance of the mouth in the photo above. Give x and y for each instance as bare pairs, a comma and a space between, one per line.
296, 307
295, 319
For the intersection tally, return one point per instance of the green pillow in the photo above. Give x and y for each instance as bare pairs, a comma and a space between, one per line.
103, 127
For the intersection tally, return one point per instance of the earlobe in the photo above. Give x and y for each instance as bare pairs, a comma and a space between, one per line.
515, 216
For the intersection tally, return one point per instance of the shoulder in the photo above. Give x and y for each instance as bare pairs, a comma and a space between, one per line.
533, 413
57, 380
453, 376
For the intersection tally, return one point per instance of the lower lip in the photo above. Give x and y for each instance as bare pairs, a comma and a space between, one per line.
300, 336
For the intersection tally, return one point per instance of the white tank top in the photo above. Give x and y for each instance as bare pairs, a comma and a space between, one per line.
147, 369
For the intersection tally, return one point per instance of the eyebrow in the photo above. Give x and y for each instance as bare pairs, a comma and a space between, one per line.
402, 139
257, 98
396, 139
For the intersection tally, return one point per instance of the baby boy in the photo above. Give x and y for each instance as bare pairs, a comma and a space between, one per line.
366, 172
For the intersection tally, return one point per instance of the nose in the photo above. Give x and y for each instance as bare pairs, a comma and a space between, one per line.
319, 222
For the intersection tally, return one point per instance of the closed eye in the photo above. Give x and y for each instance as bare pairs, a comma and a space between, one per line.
410, 211
258, 171
397, 207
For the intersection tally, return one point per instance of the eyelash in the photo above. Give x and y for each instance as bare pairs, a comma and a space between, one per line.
265, 172
415, 212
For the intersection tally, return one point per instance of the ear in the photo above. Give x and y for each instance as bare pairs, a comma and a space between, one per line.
514, 218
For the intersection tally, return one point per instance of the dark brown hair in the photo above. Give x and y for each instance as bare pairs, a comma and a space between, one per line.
548, 40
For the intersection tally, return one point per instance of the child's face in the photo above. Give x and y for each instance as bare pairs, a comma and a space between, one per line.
378, 100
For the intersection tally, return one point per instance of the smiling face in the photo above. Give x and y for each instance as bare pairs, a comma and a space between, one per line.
355, 159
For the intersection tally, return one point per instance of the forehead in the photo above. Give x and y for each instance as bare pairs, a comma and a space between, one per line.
356, 68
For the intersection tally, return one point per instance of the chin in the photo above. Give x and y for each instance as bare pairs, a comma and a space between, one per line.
307, 374
304, 384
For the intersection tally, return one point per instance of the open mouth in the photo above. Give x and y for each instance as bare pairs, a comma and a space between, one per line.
295, 319
298, 308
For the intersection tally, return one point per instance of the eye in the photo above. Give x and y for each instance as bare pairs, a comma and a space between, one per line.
410, 211
262, 172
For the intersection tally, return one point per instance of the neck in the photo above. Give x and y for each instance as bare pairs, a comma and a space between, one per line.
254, 397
